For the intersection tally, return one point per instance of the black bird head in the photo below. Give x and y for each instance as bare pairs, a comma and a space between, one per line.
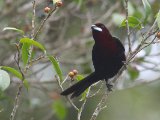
99, 28
100, 33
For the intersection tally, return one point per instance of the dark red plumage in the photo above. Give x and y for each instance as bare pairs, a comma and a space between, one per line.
107, 56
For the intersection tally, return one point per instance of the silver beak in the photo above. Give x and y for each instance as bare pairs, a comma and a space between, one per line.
94, 27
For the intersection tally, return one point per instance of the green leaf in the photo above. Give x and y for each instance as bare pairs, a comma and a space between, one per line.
79, 77
13, 29
25, 52
133, 73
33, 42
158, 19
138, 14
147, 8
59, 109
56, 66
4, 80
83, 95
33, 54
13, 71
26, 84
132, 22
17, 74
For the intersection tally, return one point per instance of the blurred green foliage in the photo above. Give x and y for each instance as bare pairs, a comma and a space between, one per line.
70, 21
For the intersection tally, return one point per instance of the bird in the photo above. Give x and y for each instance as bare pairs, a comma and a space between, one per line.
108, 56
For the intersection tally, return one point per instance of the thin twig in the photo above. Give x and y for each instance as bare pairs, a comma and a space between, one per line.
16, 102
43, 22
33, 61
70, 101
37, 59
33, 18
64, 80
83, 104
97, 91
127, 26
32, 35
100, 106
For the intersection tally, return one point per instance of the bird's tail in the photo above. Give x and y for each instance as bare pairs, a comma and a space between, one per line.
81, 86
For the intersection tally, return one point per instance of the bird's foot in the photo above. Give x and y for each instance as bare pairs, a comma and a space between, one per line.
109, 86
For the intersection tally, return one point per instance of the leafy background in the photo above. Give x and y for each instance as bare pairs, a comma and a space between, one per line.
67, 36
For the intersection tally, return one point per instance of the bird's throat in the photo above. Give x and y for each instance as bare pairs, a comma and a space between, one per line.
106, 44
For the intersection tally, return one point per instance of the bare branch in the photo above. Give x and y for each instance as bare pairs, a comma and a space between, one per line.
70, 101
127, 26
43, 22
100, 106
16, 102
97, 90
33, 19
83, 104
32, 34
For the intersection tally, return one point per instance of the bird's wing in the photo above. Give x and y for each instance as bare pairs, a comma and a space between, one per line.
121, 49
120, 45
